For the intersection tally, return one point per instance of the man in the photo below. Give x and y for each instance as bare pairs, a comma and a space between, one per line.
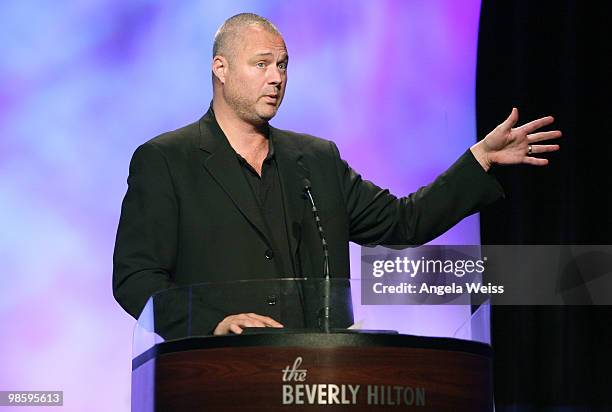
223, 198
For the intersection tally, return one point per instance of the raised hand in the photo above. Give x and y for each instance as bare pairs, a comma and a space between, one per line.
507, 145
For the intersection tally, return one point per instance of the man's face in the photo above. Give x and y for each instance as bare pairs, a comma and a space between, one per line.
257, 75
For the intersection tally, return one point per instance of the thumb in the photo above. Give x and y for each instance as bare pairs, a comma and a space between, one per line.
511, 120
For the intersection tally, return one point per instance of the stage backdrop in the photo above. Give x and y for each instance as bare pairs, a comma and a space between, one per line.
84, 83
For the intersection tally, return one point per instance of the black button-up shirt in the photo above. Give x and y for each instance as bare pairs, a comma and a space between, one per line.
269, 196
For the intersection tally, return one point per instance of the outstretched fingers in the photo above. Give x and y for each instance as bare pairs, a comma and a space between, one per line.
534, 161
544, 148
539, 148
536, 124
540, 136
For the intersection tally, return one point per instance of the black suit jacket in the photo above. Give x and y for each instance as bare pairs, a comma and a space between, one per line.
189, 215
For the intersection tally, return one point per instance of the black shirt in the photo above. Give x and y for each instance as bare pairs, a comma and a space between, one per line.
268, 195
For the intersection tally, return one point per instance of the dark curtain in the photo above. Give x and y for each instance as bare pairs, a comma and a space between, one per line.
551, 57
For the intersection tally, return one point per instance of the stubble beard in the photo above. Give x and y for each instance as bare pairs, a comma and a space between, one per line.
246, 109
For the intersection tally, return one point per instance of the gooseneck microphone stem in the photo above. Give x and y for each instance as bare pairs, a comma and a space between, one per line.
324, 314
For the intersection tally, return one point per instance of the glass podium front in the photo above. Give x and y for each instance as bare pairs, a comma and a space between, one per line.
301, 305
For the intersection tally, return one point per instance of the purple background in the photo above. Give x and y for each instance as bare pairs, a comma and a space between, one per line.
84, 83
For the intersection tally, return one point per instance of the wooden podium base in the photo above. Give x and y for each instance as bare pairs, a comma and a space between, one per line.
312, 372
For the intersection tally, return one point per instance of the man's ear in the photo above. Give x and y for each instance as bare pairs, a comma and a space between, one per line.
219, 68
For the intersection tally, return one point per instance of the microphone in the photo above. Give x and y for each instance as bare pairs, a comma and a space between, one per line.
324, 313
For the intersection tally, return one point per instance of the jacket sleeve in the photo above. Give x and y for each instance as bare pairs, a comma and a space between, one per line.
146, 244
378, 217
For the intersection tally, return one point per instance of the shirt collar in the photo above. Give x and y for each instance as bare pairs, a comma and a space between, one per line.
270, 154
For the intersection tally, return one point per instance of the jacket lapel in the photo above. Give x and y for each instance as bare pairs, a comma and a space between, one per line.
291, 172
224, 167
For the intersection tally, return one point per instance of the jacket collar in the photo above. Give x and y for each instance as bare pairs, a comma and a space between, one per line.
223, 165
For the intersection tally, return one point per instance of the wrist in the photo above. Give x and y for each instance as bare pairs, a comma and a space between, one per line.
481, 153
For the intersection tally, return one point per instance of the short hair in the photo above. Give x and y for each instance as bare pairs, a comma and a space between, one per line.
231, 28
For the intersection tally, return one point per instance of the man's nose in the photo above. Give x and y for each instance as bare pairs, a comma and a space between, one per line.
274, 75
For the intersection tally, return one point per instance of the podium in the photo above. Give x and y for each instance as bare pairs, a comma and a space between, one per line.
179, 366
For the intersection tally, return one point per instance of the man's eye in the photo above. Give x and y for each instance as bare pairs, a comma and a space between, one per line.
261, 65
282, 66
